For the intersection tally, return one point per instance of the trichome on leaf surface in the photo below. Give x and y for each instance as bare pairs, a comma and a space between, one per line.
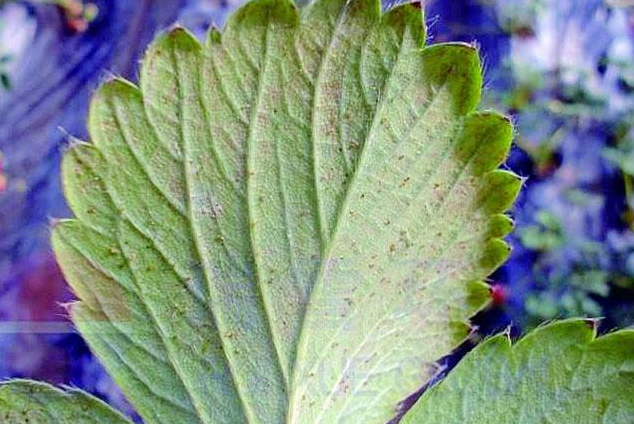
293, 224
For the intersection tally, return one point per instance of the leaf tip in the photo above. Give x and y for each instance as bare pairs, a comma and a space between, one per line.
500, 190
496, 252
479, 296
457, 67
408, 16
179, 33
213, 36
53, 223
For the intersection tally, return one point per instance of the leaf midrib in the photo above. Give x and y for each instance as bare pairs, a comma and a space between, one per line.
344, 206
353, 314
302, 348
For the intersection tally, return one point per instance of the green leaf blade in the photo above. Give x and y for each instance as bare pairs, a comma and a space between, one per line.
558, 373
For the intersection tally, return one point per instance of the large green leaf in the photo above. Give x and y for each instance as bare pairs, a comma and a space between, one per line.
29, 402
289, 224
559, 373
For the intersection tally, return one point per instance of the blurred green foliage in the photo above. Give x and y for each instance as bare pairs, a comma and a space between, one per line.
571, 91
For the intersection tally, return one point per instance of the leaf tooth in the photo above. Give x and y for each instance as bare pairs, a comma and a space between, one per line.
494, 253
499, 190
457, 67
159, 82
494, 134
407, 17
499, 226
85, 191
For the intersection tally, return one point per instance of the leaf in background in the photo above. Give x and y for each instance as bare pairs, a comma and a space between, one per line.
30, 402
559, 373
289, 224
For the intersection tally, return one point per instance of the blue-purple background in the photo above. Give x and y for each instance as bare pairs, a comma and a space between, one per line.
564, 70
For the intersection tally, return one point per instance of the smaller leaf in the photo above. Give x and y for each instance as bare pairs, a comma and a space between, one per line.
23, 402
559, 373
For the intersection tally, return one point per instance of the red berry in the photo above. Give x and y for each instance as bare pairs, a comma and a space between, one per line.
77, 25
499, 294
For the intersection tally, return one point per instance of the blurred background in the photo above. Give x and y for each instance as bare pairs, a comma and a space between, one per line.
562, 69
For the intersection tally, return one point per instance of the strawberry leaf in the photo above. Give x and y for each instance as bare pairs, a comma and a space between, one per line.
30, 402
560, 373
